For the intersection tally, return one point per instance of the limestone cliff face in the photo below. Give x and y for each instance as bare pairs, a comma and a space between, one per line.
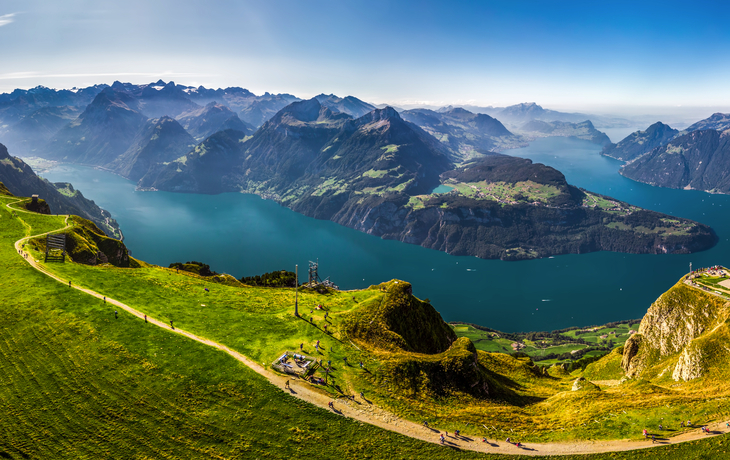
689, 366
681, 322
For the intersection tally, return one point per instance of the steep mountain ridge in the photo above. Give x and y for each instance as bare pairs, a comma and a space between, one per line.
698, 160
159, 141
640, 142
99, 135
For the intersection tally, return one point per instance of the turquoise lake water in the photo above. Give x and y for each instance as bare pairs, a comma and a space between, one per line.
244, 235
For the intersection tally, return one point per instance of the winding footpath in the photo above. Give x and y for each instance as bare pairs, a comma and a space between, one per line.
369, 413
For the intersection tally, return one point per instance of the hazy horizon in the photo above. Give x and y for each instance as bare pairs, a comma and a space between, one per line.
627, 59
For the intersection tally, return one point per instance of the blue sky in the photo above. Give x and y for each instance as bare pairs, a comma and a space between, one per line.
559, 54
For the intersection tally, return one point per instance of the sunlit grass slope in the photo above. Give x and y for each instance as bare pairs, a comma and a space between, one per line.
76, 382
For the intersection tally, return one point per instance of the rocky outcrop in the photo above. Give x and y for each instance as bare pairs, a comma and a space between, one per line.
631, 349
681, 322
581, 384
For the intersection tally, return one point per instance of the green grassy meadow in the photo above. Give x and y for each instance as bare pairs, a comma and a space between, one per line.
78, 383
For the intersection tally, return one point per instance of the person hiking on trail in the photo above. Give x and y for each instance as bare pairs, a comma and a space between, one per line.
171, 325
441, 438
727, 424
301, 347
331, 406
681, 424
104, 299
115, 314
145, 318
661, 428
645, 433
69, 284
653, 439
325, 328
362, 395
286, 384
484, 439
509, 441
360, 364
518, 444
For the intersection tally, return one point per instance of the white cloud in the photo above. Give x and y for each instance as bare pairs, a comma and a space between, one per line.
6, 19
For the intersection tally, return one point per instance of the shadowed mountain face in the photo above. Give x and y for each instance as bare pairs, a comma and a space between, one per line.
160, 141
640, 142
465, 134
697, 160
21, 181
583, 130
205, 121
101, 133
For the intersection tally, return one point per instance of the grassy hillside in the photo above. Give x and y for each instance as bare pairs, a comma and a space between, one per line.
78, 382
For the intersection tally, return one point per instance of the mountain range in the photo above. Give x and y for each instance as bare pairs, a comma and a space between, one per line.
376, 174
695, 158
517, 115
371, 169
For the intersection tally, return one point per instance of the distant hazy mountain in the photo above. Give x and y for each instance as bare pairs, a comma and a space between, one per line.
349, 105
214, 117
20, 179
101, 133
583, 130
465, 134
718, 121
158, 99
516, 115
19, 103
640, 142
160, 140
697, 160
36, 128
474, 109
264, 107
